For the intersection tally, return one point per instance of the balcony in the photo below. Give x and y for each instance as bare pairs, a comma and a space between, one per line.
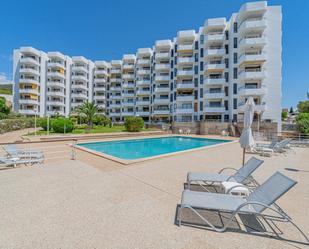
79, 78
143, 113
115, 80
79, 95
128, 85
55, 65
128, 104
56, 94
114, 105
55, 103
214, 109
159, 89
29, 81
253, 7
162, 112
162, 67
54, 113
55, 84
252, 58
115, 71
28, 101
162, 78
251, 42
185, 98
143, 62
252, 75
163, 44
27, 111
115, 89
142, 92
79, 69
257, 108
215, 81
214, 23
128, 67
128, 76
215, 67
211, 52
183, 73
143, 102
185, 47
99, 89
184, 86
127, 114
99, 97
162, 101
143, 72
99, 80
243, 91
79, 87
116, 97
185, 60
114, 114
184, 110
144, 52
29, 91
143, 82
162, 55
29, 71
253, 24
100, 72
210, 38
214, 95
29, 60
186, 35
128, 95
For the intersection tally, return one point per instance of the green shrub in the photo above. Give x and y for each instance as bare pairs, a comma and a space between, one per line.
3, 115
134, 124
3, 107
101, 120
7, 125
302, 121
284, 115
80, 126
62, 125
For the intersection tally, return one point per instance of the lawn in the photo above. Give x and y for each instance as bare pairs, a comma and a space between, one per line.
96, 129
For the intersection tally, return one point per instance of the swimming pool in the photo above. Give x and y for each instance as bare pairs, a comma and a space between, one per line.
149, 147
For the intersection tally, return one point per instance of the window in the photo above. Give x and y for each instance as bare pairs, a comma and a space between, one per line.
235, 72
226, 61
226, 76
175, 48
202, 39
195, 82
226, 90
175, 60
226, 35
226, 105
201, 106
235, 58
201, 79
234, 104
226, 49
196, 45
172, 76
196, 69
235, 42
235, 88
201, 52
196, 57
235, 117
235, 27
201, 66
201, 92
172, 63
196, 94
172, 52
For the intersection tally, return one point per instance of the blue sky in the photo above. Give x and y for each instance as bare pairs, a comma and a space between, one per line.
105, 30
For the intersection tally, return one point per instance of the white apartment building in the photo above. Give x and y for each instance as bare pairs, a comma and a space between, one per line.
198, 75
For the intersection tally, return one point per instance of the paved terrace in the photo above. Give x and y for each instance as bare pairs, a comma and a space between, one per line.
96, 203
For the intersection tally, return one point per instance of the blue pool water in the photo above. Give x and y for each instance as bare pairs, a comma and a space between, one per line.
142, 148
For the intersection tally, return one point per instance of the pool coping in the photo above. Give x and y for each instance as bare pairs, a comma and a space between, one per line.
134, 161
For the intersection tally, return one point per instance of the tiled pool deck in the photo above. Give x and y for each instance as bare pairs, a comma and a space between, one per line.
96, 203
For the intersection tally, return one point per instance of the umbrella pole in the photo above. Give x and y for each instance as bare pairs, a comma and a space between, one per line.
243, 157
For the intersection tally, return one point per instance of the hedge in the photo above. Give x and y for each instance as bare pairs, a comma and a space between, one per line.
62, 125
134, 124
14, 124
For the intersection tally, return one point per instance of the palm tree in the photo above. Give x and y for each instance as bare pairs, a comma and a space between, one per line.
89, 111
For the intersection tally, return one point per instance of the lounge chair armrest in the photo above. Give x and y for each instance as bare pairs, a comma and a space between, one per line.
239, 185
227, 168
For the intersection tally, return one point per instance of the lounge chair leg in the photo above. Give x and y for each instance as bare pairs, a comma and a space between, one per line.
179, 216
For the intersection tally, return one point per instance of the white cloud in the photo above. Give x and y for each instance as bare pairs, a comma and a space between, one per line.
4, 79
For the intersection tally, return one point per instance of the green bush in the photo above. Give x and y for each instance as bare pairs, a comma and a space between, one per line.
3, 107
62, 125
80, 126
3, 115
303, 106
134, 124
302, 121
284, 115
101, 120
7, 125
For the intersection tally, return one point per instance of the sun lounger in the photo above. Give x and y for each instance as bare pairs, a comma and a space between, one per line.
14, 161
13, 151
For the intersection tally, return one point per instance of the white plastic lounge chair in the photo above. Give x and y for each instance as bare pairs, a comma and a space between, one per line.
261, 199
13, 151
242, 175
14, 161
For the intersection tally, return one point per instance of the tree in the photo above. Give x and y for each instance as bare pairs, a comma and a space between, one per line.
302, 121
88, 110
284, 115
134, 124
291, 110
3, 107
303, 106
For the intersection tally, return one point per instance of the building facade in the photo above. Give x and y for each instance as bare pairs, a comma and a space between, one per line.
198, 75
